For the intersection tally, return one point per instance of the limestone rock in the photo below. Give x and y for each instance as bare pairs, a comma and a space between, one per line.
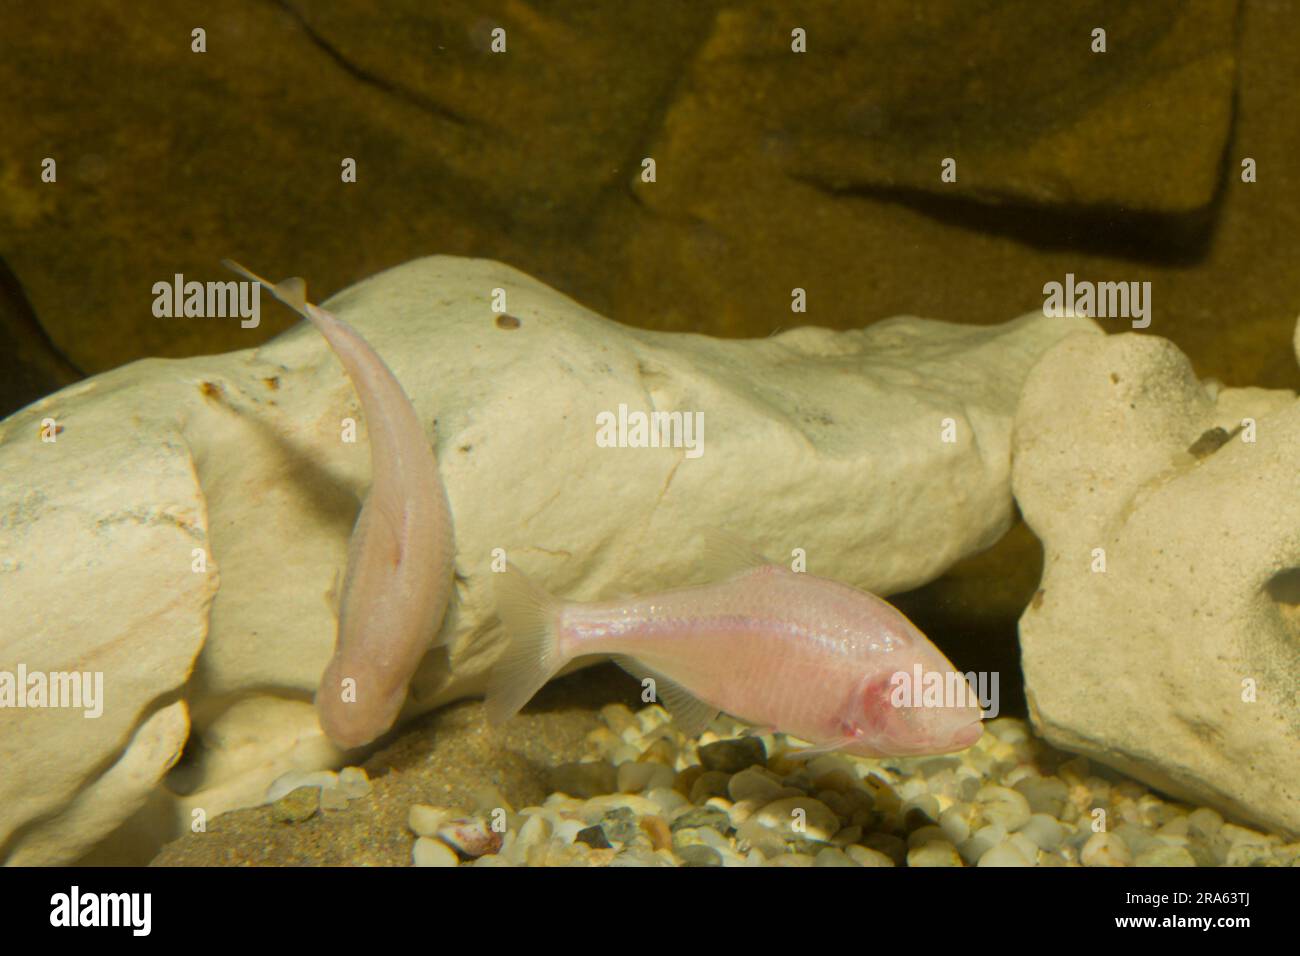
1122, 455
165, 471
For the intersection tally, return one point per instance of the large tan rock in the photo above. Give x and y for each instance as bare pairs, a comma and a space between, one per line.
834, 442
1178, 659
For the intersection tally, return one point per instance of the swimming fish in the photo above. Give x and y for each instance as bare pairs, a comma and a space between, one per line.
400, 557
807, 656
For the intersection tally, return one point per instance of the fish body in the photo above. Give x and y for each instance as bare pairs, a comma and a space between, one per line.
804, 655
401, 555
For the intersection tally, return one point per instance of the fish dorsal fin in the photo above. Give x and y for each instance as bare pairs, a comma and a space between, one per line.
726, 555
691, 715
292, 291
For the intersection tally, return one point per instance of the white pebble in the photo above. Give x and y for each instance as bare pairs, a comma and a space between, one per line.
1046, 831
1009, 730
425, 820
429, 852
1204, 823
1105, 849
1161, 855
1005, 854
1004, 806
831, 856
955, 823
669, 801
536, 829
864, 856
354, 783
287, 783
934, 853
981, 841
1027, 847
923, 835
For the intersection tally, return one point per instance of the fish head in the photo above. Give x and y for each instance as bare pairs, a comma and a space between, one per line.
921, 706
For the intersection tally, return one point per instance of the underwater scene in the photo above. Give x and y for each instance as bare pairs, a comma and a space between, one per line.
650, 434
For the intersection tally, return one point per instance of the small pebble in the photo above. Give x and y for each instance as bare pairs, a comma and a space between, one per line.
920, 811
865, 856
1005, 854
1008, 730
593, 837
888, 844
638, 777
620, 824
661, 837
981, 841
697, 855
469, 836
934, 853
584, 779
924, 835
1249, 854
1044, 794
425, 820
354, 783
733, 756
1204, 824
712, 783
296, 806
333, 798
955, 822
703, 817
430, 852
754, 783
832, 856
1105, 849
1046, 832
286, 783
1004, 806
799, 817
1160, 855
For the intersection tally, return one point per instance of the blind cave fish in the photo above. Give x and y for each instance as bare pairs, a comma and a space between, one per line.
400, 558
790, 652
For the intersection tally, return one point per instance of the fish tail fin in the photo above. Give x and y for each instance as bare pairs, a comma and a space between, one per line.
532, 655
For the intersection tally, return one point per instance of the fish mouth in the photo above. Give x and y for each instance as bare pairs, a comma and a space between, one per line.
968, 735
964, 737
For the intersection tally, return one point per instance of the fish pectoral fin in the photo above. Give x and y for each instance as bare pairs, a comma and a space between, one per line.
726, 555
691, 715
829, 746
292, 291
758, 730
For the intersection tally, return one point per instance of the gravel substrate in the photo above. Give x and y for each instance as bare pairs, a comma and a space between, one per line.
647, 796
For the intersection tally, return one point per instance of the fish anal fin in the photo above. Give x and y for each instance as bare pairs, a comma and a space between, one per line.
691, 715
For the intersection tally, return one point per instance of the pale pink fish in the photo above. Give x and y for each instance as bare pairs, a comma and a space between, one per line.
787, 651
400, 558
